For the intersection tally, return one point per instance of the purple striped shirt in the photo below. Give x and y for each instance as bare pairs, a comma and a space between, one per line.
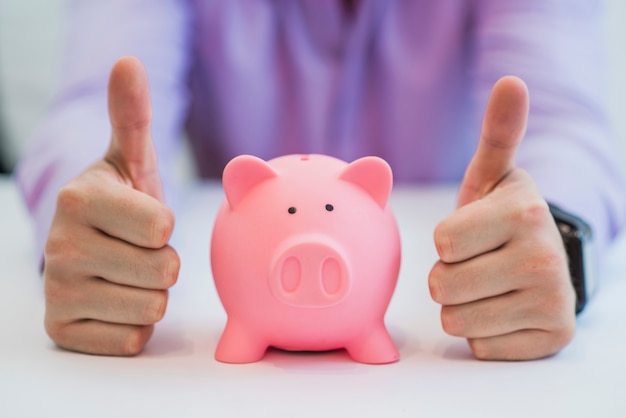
405, 80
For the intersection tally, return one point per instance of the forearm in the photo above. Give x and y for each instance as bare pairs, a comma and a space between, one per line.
59, 151
76, 131
568, 149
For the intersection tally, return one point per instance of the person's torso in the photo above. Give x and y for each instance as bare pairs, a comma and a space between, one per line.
389, 78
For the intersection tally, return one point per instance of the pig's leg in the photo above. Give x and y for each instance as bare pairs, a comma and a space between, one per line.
239, 344
374, 347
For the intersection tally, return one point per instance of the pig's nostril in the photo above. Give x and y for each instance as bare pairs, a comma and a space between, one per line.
291, 274
331, 276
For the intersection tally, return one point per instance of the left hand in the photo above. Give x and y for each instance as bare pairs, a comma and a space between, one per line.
503, 278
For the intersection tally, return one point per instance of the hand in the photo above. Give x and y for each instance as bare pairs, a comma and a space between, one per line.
107, 263
503, 278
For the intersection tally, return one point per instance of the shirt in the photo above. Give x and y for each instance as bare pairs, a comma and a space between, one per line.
405, 80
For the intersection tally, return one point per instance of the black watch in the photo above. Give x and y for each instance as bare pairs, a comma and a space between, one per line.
577, 238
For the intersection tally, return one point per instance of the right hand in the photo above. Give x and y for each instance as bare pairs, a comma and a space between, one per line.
502, 278
108, 264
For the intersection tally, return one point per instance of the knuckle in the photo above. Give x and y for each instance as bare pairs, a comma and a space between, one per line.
61, 254
554, 262
548, 269
481, 349
165, 265
55, 245
564, 335
498, 140
162, 226
124, 341
474, 188
64, 335
559, 310
128, 125
452, 322
436, 285
55, 330
61, 295
533, 212
154, 309
172, 268
72, 199
54, 293
135, 340
444, 242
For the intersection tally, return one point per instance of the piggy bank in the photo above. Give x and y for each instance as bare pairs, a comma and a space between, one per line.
305, 255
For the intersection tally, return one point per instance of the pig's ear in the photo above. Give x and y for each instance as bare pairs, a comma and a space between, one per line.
242, 174
373, 175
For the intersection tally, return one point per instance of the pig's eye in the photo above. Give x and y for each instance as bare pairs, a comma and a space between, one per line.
291, 210
329, 207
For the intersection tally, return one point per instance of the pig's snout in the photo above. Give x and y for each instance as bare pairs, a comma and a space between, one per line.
310, 271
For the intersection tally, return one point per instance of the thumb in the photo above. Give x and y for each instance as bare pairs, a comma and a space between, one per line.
132, 151
502, 131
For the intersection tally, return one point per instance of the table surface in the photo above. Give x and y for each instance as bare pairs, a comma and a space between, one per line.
176, 375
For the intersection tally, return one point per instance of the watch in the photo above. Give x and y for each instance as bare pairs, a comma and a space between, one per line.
577, 238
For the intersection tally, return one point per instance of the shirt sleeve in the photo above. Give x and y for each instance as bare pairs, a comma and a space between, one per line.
556, 46
75, 130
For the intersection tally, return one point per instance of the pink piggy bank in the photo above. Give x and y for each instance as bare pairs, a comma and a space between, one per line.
305, 255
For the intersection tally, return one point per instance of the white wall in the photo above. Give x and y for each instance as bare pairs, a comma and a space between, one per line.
616, 36
30, 33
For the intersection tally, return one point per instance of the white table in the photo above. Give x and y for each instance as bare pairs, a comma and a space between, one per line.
176, 375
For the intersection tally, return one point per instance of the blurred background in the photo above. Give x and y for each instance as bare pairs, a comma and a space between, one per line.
30, 38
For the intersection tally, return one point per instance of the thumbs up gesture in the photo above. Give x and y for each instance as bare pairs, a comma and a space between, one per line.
107, 262
502, 278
